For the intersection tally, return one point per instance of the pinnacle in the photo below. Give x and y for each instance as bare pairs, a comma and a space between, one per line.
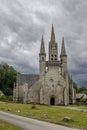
63, 50
42, 49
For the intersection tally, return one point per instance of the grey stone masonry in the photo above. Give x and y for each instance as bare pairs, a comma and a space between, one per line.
53, 85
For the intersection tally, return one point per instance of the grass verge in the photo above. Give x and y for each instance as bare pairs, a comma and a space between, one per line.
47, 113
6, 126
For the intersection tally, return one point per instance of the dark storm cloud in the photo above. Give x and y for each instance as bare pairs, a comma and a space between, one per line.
22, 22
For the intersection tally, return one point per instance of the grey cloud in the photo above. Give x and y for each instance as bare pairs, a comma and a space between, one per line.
23, 22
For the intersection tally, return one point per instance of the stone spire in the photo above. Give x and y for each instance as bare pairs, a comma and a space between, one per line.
42, 49
52, 34
63, 50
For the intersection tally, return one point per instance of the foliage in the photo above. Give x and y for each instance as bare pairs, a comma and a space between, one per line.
6, 98
7, 77
3, 98
82, 90
84, 100
75, 86
10, 98
49, 113
6, 126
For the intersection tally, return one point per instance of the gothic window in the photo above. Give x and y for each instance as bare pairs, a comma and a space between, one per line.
55, 56
52, 55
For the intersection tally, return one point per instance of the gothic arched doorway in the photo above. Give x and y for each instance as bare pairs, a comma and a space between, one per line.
52, 101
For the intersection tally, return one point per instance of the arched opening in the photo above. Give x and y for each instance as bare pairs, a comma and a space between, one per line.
52, 101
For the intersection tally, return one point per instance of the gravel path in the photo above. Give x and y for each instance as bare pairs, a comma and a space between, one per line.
31, 124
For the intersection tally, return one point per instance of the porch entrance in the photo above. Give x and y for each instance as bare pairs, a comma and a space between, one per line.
52, 101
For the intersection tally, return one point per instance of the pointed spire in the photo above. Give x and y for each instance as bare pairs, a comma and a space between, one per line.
63, 50
52, 34
42, 49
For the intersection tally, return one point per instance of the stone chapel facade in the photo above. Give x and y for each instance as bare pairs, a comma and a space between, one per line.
53, 85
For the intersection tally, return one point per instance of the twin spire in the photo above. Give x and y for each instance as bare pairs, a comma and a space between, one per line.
42, 49
63, 50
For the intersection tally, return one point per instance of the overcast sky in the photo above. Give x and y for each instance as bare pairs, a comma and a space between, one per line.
22, 23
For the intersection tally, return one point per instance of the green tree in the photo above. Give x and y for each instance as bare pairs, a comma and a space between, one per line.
75, 86
84, 100
7, 77
82, 90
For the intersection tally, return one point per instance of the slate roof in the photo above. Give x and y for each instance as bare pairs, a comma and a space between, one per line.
30, 79
81, 95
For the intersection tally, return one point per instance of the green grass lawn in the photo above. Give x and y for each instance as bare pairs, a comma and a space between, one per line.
6, 126
47, 113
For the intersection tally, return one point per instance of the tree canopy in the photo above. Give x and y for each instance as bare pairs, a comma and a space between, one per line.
82, 90
7, 77
75, 86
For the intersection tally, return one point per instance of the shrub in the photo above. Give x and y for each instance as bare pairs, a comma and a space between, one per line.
10, 98
84, 100
6, 98
3, 98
